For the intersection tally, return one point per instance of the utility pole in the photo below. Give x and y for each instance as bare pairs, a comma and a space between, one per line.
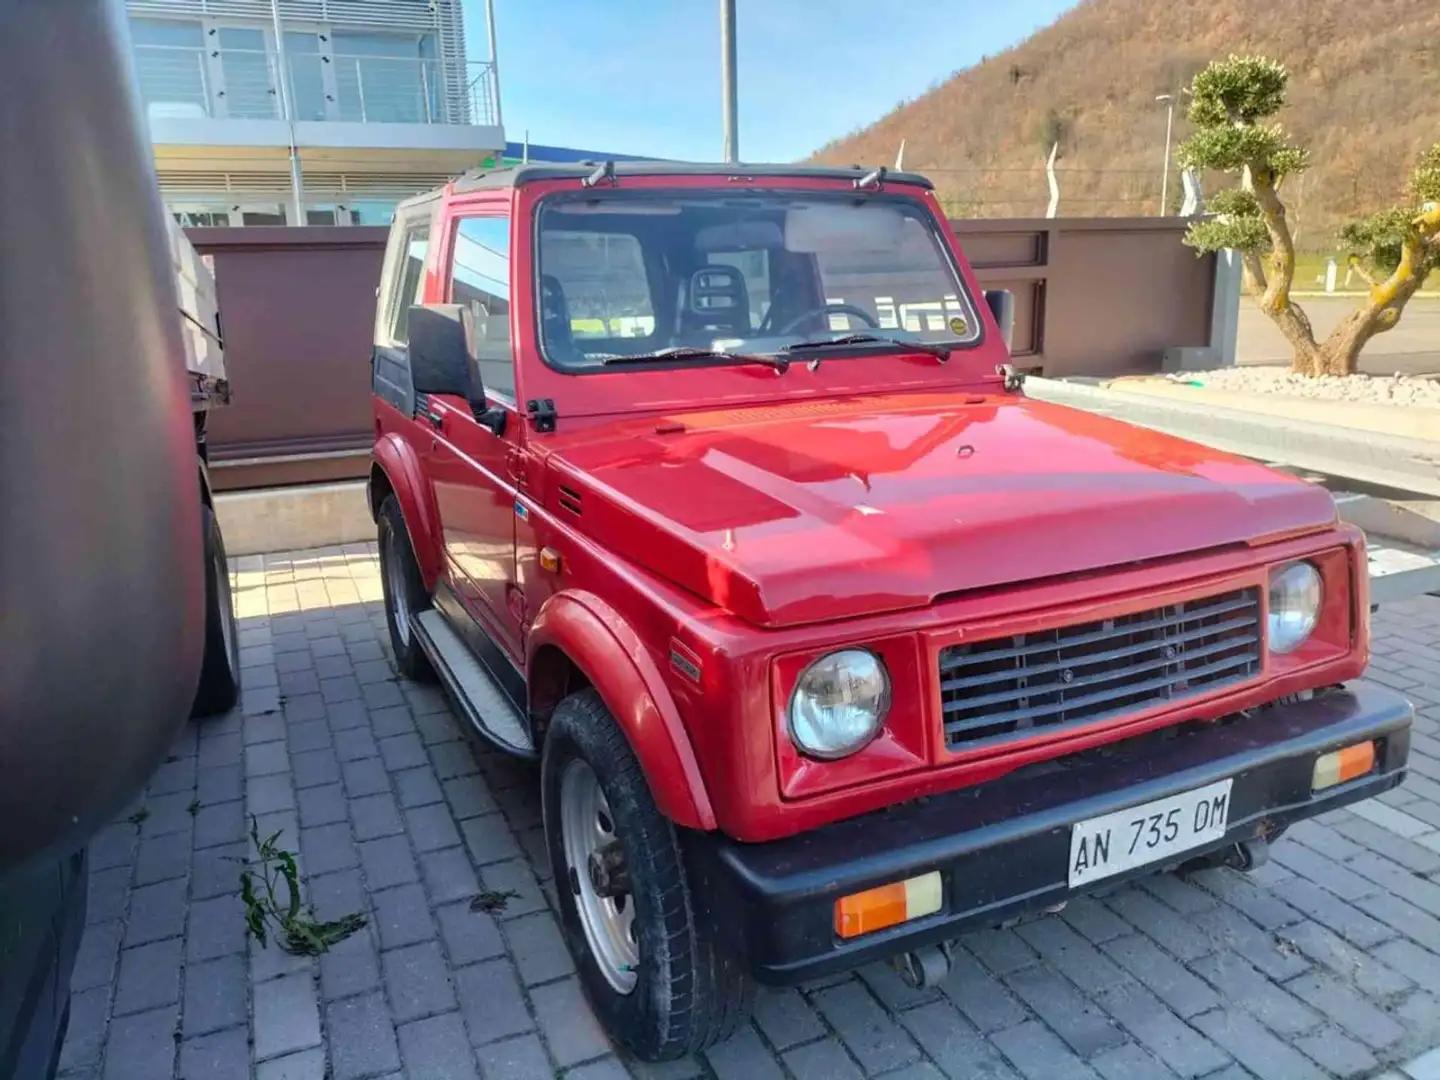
727, 80
1169, 100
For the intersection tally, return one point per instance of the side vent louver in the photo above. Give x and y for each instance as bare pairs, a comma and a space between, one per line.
570, 500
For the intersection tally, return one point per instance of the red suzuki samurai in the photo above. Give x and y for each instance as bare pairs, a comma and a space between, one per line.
711, 488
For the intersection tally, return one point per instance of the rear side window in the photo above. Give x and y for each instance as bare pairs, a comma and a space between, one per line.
410, 280
480, 279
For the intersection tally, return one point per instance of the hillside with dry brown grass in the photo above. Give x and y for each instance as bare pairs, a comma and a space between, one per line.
1364, 95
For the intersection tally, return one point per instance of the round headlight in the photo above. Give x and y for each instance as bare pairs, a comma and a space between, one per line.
839, 703
1294, 606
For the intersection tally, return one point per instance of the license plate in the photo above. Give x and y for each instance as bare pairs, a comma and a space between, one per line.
1148, 833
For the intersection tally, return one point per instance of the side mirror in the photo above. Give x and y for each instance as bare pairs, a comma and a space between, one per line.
443, 358
1002, 305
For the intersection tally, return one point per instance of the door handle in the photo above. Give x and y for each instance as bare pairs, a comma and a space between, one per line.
437, 420
515, 466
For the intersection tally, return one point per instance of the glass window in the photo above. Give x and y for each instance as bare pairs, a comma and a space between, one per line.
307, 76
372, 212
411, 282
480, 279
633, 272
264, 215
387, 78
170, 68
249, 91
601, 282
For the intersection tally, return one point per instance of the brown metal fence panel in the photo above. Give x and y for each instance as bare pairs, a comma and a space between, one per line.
297, 310
1093, 296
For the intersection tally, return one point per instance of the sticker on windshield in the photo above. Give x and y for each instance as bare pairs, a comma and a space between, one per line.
957, 326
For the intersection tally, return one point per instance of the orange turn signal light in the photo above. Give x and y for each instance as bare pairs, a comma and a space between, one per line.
1339, 766
550, 560
888, 905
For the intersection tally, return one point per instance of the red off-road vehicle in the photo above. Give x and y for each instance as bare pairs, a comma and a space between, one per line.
710, 487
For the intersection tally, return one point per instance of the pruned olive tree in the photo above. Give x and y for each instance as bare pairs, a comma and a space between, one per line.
1232, 103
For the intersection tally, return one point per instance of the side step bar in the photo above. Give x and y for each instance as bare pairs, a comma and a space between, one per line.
486, 706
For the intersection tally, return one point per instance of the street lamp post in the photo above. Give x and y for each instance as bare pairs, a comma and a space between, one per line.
1169, 100
727, 80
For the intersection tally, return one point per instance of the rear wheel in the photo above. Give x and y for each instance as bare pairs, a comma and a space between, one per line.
405, 594
659, 981
219, 687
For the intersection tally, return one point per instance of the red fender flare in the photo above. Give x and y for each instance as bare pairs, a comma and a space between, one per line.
398, 461
599, 642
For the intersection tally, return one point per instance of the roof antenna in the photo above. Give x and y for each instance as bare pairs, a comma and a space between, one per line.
875, 178
600, 175
900, 157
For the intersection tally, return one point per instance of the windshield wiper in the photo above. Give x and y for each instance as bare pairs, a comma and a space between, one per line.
689, 352
940, 352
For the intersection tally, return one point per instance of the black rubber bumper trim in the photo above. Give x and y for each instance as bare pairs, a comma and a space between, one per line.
1003, 847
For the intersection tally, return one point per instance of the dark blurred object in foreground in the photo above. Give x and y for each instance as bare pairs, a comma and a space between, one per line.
101, 580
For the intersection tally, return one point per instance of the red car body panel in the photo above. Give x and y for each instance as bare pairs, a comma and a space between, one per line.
886, 503
603, 645
396, 458
717, 529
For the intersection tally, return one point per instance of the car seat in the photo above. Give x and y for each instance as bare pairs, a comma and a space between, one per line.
715, 299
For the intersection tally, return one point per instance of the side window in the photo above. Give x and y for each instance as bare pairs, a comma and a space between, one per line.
754, 267
480, 279
410, 280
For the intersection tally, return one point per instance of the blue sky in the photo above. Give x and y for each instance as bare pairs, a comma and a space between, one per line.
643, 76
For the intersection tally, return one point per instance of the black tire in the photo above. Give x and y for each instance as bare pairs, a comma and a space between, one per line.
689, 992
397, 557
219, 687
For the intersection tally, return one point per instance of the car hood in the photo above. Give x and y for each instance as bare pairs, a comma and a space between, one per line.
800, 513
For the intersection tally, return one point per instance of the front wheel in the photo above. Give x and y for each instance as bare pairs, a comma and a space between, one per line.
405, 595
661, 984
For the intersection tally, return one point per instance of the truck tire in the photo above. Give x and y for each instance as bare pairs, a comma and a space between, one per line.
405, 594
219, 687
650, 963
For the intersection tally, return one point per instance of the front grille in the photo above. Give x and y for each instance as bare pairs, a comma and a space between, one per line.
1053, 679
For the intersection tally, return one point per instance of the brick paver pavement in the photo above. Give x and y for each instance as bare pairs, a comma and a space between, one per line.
1325, 962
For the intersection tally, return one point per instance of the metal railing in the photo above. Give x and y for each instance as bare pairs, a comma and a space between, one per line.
191, 82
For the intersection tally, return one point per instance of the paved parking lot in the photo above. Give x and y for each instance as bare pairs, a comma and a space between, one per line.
1325, 962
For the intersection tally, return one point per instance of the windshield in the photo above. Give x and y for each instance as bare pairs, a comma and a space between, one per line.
639, 273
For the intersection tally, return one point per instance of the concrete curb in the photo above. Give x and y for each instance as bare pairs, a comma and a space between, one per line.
1366, 456
294, 518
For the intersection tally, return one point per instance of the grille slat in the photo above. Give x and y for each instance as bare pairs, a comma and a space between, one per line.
1048, 680
1113, 675
1082, 635
1109, 656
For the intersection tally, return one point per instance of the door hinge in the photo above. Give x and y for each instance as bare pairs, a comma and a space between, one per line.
515, 466
542, 413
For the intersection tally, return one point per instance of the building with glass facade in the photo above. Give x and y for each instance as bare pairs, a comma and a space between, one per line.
321, 112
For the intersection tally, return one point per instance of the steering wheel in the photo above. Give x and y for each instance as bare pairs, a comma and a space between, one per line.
837, 308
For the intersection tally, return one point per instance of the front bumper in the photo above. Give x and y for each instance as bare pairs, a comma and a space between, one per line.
1002, 848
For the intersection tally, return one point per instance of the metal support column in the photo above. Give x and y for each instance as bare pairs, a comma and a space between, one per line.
494, 68
282, 72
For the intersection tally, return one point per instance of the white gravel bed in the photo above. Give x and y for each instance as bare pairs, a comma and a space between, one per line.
1365, 389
